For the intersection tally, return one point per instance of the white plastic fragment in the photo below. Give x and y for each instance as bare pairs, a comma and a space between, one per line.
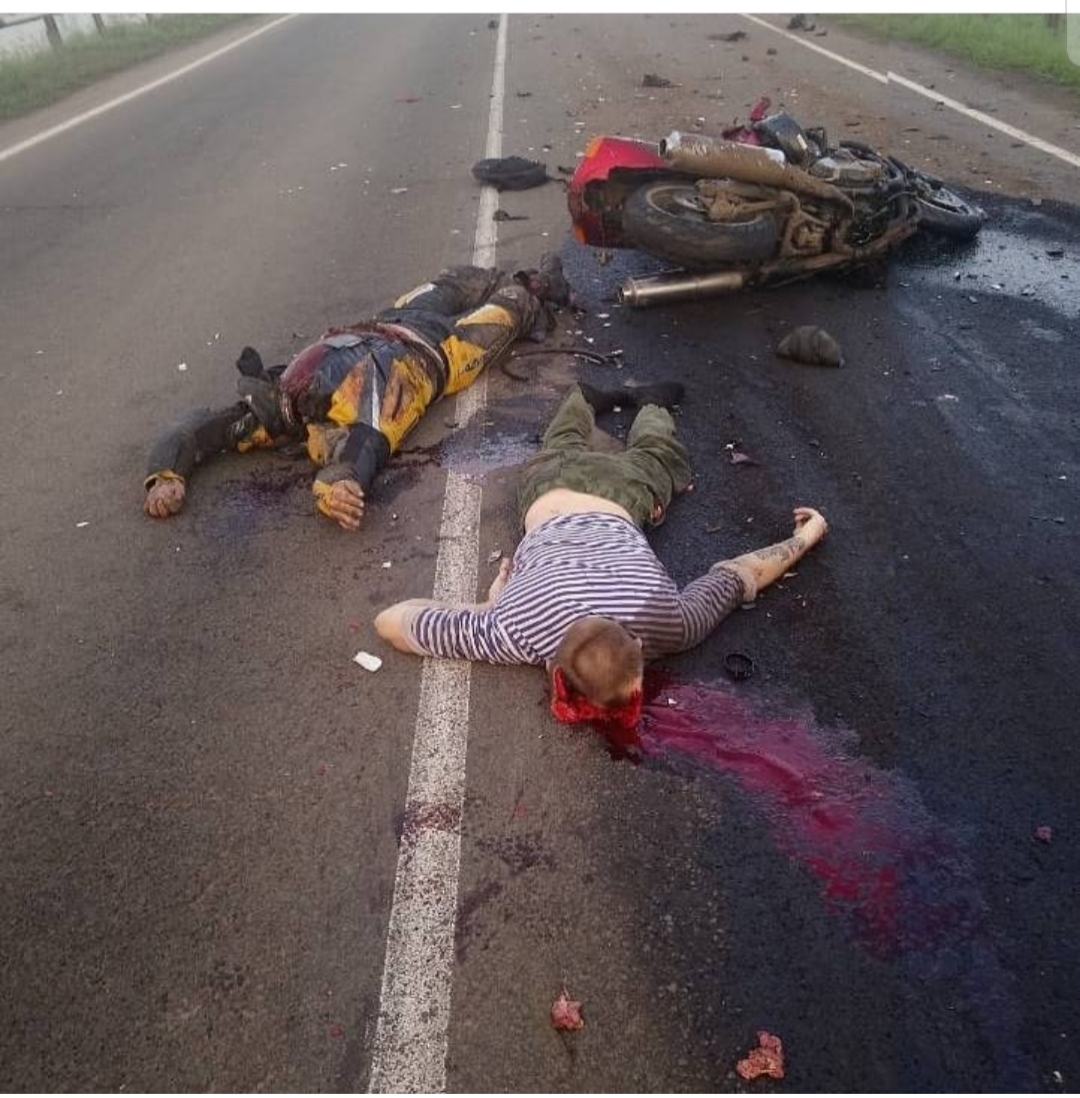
398, 190
494, 555
80, 525
367, 661
387, 563
182, 367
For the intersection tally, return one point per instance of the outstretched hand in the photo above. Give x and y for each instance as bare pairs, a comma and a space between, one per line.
164, 498
344, 503
810, 525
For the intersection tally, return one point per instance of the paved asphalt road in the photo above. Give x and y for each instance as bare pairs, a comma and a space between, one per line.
202, 795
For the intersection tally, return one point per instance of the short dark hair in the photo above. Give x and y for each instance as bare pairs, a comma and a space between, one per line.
600, 660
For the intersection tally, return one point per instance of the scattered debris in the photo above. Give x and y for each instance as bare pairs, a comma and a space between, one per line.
367, 661
733, 36
510, 173
767, 1059
1044, 834
493, 24
800, 22
523, 95
1056, 253
502, 215
494, 555
651, 80
398, 190
771, 51
565, 170
739, 458
80, 525
182, 366
566, 1012
811, 345
407, 99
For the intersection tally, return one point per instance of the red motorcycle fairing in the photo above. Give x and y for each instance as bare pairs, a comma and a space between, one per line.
596, 193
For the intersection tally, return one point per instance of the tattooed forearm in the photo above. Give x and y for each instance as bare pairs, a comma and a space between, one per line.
791, 549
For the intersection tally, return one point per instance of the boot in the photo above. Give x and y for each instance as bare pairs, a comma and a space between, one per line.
547, 283
664, 393
264, 399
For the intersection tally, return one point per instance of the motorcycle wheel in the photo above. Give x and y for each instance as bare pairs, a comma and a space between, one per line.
946, 213
668, 220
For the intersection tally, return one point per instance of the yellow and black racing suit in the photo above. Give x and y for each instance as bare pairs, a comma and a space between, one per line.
359, 390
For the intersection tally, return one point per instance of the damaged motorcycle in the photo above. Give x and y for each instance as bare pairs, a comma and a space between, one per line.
762, 205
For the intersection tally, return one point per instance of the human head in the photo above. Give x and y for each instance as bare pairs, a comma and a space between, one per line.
600, 662
297, 378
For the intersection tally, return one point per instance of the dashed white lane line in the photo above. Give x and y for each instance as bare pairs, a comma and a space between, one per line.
1014, 132
410, 1046
120, 100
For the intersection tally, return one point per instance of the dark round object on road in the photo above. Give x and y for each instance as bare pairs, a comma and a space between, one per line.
739, 667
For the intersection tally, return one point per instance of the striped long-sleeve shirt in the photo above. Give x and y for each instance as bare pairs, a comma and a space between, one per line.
572, 566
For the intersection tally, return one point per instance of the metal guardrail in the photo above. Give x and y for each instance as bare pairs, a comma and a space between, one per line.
19, 34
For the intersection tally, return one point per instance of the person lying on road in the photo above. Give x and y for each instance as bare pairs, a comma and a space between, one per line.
584, 593
353, 395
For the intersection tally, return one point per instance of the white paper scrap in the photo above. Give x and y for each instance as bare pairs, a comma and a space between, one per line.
367, 661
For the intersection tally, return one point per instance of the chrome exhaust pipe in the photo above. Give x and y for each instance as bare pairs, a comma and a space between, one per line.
671, 286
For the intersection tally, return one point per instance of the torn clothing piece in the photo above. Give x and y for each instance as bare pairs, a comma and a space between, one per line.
510, 173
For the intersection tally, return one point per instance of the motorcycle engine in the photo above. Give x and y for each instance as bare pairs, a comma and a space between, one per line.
847, 170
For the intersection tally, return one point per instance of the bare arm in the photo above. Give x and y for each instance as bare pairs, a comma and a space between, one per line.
761, 567
394, 624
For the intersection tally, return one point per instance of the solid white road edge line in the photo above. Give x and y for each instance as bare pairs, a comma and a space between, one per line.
872, 73
410, 1046
986, 120
120, 100
953, 104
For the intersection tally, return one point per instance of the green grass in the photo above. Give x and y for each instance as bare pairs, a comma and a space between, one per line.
30, 82
1022, 42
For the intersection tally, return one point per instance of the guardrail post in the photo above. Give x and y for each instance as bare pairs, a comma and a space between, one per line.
53, 31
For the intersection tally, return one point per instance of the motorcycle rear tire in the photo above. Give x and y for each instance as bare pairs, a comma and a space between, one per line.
665, 219
942, 211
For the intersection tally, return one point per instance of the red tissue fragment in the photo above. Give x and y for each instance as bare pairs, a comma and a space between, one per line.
566, 1013
767, 1059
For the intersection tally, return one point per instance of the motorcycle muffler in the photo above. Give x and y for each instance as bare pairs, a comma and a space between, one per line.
671, 286
699, 154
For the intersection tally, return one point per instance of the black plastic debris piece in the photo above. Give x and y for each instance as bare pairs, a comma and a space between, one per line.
734, 36
651, 80
510, 173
